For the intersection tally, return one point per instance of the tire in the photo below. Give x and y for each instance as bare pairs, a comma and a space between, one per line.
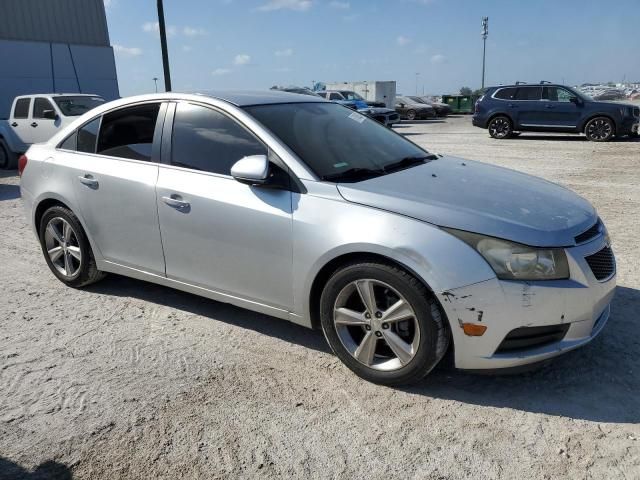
8, 159
360, 337
599, 129
81, 269
500, 127
411, 115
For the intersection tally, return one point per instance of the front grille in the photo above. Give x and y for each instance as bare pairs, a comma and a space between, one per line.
602, 263
525, 338
592, 232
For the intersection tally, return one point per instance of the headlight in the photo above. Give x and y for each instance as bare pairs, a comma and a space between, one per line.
513, 261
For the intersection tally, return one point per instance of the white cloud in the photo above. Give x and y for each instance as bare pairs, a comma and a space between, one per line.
298, 5
154, 27
193, 31
220, 71
339, 5
127, 51
402, 40
287, 52
438, 58
241, 59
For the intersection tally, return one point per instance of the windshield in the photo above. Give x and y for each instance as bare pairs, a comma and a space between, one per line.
337, 143
418, 100
351, 95
76, 106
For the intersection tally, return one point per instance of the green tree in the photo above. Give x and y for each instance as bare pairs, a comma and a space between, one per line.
466, 91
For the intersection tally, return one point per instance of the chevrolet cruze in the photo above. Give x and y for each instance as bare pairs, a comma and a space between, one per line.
303, 209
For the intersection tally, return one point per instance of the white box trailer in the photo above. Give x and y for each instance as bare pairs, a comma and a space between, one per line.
373, 91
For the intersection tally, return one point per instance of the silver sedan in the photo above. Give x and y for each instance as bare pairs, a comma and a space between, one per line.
305, 210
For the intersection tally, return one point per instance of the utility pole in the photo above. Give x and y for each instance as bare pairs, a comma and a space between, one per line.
163, 44
155, 79
485, 34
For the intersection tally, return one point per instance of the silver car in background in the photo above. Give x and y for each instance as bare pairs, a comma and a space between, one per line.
305, 210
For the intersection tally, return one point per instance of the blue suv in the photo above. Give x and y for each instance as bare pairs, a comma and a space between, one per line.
547, 107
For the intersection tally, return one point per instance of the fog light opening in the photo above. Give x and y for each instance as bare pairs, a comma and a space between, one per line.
473, 329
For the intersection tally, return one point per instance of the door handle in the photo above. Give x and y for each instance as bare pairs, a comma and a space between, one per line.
34, 124
548, 106
89, 181
14, 124
176, 202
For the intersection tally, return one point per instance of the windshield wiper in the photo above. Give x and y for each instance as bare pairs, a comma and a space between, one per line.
353, 174
407, 162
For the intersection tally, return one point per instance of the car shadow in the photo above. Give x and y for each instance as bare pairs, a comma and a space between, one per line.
9, 192
423, 122
48, 470
569, 138
594, 383
264, 324
8, 173
597, 382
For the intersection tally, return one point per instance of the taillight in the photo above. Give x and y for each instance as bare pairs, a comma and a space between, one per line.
22, 164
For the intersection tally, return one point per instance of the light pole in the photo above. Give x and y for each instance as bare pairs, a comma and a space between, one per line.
485, 34
417, 75
155, 79
163, 45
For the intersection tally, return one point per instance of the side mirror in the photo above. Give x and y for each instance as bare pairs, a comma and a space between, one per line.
575, 100
49, 114
401, 105
252, 170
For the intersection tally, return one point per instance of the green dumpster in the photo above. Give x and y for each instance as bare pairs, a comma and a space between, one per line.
460, 103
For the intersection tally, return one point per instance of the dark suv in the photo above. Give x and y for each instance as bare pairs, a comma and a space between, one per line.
553, 108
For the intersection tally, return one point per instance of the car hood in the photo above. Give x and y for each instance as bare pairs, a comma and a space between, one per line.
476, 197
419, 106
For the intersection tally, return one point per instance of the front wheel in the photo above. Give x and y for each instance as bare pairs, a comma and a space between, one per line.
500, 127
411, 115
7, 157
382, 323
599, 129
66, 248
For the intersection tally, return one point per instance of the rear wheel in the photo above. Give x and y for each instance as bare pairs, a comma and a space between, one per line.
500, 127
599, 129
382, 323
411, 115
66, 248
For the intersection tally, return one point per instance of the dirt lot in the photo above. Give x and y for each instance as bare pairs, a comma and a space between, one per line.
131, 380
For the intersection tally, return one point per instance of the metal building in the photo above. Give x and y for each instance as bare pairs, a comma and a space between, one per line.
54, 46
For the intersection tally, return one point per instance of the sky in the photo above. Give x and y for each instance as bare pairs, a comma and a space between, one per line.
430, 46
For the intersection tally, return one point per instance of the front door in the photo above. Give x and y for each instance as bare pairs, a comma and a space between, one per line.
114, 180
218, 233
42, 128
560, 111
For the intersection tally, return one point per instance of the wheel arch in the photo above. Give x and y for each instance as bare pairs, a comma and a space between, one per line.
335, 263
583, 126
500, 114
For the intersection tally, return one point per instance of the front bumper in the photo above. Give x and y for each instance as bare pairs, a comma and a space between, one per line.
582, 302
630, 125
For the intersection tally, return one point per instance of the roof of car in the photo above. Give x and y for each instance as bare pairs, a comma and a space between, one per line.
261, 97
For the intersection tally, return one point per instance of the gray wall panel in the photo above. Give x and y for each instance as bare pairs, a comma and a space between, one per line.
60, 21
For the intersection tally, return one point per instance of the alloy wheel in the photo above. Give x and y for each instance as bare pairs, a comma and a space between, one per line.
376, 325
599, 129
62, 246
500, 128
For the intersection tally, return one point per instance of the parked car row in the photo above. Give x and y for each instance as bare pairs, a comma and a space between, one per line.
548, 107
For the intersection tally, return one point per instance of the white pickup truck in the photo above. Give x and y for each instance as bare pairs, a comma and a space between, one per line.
36, 118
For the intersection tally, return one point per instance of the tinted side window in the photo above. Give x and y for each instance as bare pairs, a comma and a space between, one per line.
335, 96
70, 142
22, 108
39, 106
205, 139
529, 93
505, 93
87, 136
128, 133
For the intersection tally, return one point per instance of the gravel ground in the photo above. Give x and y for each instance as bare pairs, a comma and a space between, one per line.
132, 380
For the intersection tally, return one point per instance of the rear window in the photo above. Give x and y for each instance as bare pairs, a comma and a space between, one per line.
22, 108
505, 93
529, 93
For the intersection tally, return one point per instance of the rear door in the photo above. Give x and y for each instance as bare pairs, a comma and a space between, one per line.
530, 110
20, 122
114, 170
560, 111
218, 233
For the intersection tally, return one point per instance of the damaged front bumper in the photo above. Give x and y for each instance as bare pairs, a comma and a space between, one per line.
572, 312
